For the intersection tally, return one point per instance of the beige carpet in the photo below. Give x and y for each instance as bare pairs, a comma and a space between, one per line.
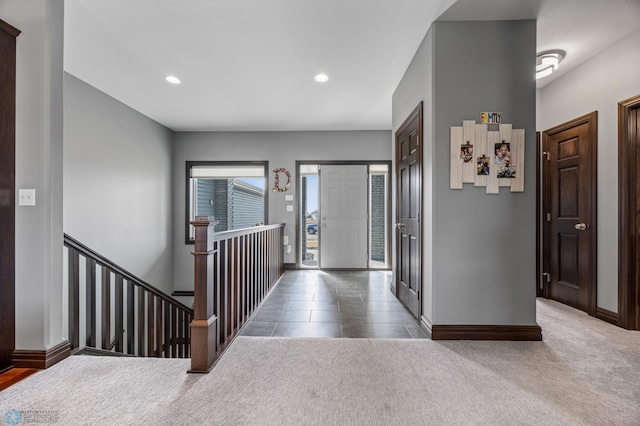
585, 372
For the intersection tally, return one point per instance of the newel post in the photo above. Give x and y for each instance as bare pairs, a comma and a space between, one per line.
204, 324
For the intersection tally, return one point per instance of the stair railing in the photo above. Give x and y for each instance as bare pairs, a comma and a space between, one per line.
234, 271
121, 313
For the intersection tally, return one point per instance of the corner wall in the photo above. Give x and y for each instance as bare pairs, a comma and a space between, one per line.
280, 149
117, 183
417, 85
598, 85
39, 147
479, 254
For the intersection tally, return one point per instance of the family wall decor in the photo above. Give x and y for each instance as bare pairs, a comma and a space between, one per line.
489, 158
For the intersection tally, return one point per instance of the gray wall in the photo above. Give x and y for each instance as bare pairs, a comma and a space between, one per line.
281, 149
117, 183
598, 85
417, 85
39, 141
481, 256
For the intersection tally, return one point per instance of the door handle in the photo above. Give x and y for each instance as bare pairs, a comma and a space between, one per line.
399, 225
581, 226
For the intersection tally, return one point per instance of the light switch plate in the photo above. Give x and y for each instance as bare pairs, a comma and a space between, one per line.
289, 208
26, 197
288, 197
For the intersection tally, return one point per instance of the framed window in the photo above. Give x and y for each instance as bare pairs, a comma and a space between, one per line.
233, 192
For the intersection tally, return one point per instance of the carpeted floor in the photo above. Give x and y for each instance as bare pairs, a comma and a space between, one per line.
585, 372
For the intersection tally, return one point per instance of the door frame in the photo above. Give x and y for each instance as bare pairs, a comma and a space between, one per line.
592, 120
388, 251
418, 111
8, 47
628, 282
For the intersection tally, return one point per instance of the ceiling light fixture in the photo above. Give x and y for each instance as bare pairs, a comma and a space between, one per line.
173, 79
547, 62
321, 78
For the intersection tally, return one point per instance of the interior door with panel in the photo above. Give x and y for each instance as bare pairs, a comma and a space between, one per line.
408, 273
570, 209
343, 217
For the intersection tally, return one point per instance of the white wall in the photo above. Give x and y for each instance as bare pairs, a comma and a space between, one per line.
280, 149
117, 183
39, 141
598, 85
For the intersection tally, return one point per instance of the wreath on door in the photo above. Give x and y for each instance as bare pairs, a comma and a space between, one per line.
277, 188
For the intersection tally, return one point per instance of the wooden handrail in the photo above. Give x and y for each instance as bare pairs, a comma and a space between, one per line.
226, 235
89, 253
154, 323
234, 271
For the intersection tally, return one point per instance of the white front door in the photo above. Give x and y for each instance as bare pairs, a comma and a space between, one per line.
343, 216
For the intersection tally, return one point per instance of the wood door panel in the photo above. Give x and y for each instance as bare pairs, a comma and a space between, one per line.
568, 260
570, 207
568, 193
568, 149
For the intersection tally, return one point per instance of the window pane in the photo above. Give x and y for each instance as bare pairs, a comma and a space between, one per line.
234, 203
233, 193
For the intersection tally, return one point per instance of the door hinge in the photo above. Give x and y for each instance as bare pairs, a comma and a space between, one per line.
547, 277
548, 217
547, 155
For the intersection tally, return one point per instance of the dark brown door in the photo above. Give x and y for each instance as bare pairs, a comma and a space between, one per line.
569, 206
8, 36
629, 213
408, 271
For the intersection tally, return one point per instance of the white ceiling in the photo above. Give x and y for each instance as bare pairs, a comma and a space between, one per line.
249, 64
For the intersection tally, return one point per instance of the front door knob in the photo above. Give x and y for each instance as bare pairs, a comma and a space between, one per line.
581, 226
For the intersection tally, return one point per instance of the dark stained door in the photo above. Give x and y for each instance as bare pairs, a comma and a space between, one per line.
8, 36
629, 213
570, 201
408, 271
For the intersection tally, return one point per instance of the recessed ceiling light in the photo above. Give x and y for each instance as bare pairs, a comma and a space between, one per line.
321, 78
547, 62
173, 79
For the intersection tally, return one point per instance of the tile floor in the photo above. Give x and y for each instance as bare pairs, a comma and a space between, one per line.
312, 303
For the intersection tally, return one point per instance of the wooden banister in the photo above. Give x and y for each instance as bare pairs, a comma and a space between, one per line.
234, 271
153, 322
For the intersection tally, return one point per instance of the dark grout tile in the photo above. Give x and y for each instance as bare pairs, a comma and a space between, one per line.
416, 331
340, 317
338, 297
326, 330
273, 305
379, 297
370, 306
315, 305
333, 304
386, 317
255, 328
382, 331
281, 316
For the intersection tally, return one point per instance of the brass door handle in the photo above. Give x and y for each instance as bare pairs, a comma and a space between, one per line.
399, 225
581, 226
